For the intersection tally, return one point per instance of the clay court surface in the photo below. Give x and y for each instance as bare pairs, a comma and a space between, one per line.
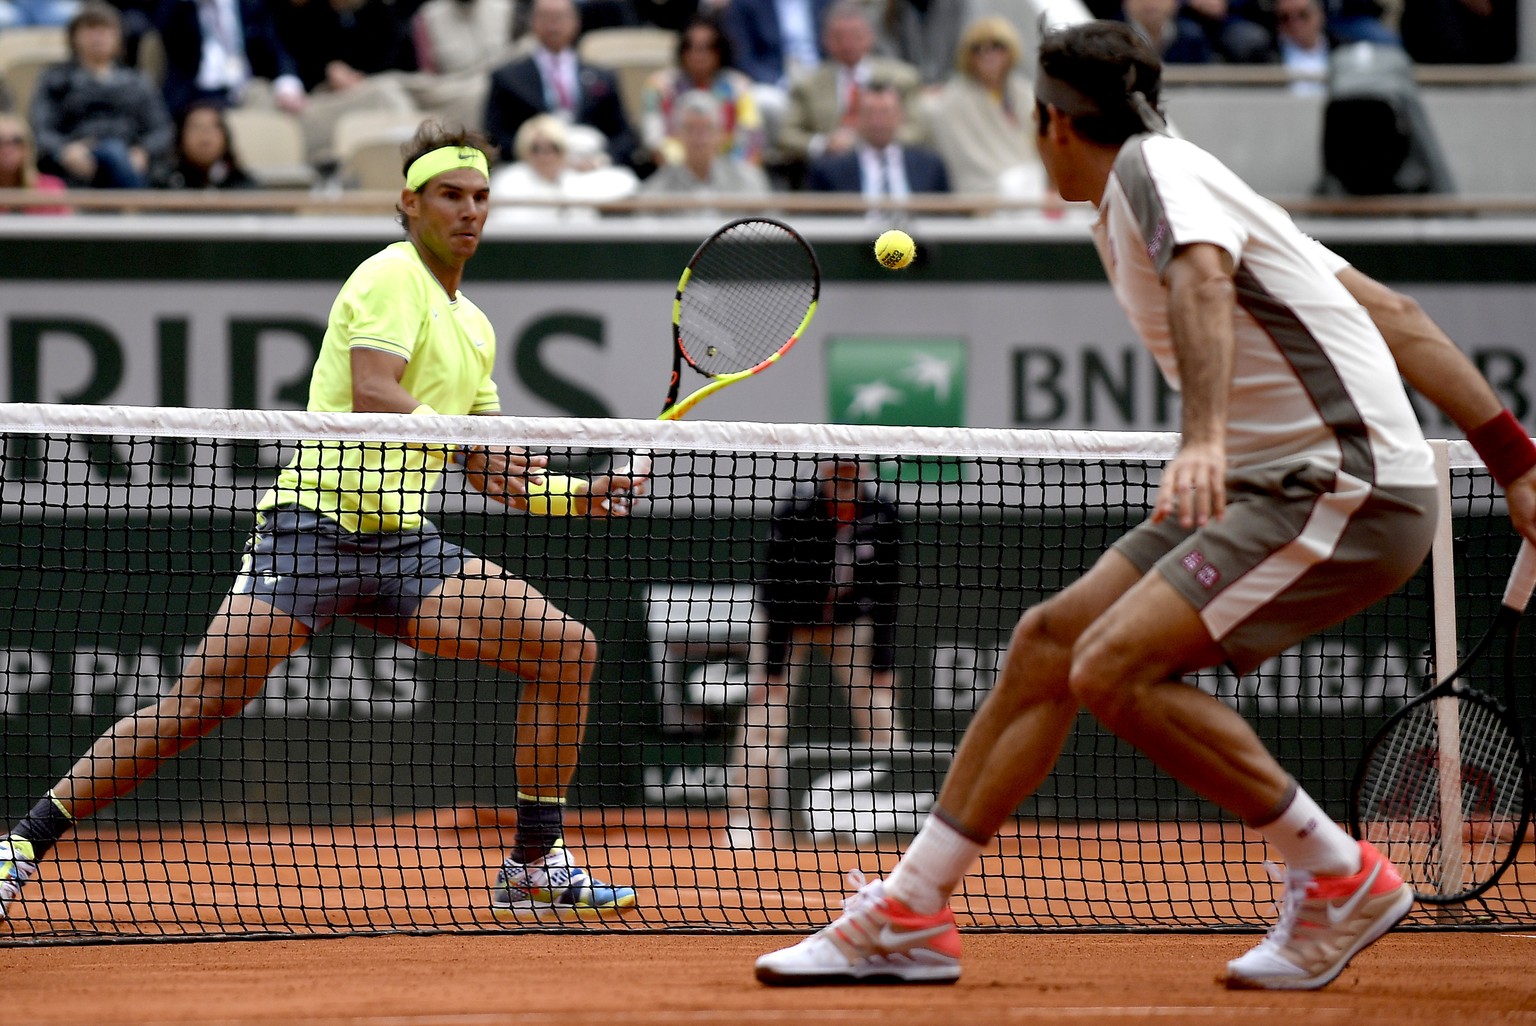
429, 873
649, 979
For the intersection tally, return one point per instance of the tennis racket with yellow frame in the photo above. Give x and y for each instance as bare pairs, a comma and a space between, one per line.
744, 300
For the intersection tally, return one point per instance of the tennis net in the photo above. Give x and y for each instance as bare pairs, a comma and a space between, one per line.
370, 788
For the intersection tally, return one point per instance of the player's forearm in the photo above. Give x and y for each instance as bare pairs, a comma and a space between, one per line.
1425, 355
1200, 316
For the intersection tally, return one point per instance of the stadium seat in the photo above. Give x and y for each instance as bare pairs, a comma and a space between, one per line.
24, 53
634, 55
270, 145
358, 128
373, 165
33, 41
1487, 135
1271, 138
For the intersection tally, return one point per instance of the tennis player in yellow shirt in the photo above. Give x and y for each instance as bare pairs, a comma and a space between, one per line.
342, 534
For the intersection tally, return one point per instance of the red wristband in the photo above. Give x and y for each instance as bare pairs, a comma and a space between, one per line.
1505, 448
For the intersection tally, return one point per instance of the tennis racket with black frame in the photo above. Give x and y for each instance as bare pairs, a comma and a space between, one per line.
1444, 788
745, 298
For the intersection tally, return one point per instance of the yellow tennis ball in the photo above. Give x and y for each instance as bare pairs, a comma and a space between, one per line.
895, 249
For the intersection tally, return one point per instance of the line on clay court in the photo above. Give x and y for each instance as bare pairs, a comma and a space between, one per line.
844, 1015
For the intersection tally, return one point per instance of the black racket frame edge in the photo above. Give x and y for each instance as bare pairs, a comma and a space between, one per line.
677, 342
1506, 622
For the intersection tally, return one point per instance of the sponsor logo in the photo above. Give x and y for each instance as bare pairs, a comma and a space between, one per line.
1205, 574
893, 940
1159, 237
1338, 913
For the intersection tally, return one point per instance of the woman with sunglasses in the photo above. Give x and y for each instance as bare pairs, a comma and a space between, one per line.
18, 167
981, 123
543, 171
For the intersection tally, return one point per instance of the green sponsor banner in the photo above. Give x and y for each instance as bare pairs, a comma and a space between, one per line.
911, 381
918, 382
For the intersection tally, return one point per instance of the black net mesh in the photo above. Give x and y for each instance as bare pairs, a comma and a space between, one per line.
770, 703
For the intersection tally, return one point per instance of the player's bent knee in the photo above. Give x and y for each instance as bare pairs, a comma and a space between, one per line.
1101, 678
1041, 636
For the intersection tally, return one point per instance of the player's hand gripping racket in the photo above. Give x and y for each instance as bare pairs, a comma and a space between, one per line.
1443, 789
743, 301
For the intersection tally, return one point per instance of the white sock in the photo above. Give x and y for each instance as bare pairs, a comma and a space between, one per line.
936, 860
1307, 839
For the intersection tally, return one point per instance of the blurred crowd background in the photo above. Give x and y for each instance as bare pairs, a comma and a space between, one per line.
591, 101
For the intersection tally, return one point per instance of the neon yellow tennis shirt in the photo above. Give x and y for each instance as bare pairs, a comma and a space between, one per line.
393, 304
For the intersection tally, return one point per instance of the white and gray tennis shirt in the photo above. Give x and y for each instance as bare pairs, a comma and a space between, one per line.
1312, 377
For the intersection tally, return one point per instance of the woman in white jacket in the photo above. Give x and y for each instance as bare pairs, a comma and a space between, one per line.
981, 123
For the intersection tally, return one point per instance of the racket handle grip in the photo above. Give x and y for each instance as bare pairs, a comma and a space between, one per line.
638, 465
1517, 593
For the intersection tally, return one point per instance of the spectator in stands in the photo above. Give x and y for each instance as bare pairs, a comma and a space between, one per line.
215, 48
458, 44
350, 55
878, 164
204, 158
1177, 39
703, 169
925, 34
1301, 35
830, 580
18, 167
1461, 31
543, 170
96, 122
981, 118
703, 63
553, 80
138, 22
48, 13
775, 41
822, 104
1233, 29
1360, 21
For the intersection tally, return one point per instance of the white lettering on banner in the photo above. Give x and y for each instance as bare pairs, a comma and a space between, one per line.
22, 673
383, 684
1322, 675
346, 685
104, 681
1049, 355
962, 675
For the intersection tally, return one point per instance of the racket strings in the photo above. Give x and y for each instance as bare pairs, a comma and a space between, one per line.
1400, 799
745, 299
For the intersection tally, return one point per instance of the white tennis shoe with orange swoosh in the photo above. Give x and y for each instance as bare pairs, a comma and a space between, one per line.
1324, 922
876, 940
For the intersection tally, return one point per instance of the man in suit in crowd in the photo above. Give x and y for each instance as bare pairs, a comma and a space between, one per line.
551, 80
773, 40
879, 165
213, 48
821, 114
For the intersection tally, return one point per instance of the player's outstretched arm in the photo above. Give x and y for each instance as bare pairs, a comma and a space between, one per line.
1425, 355
1443, 374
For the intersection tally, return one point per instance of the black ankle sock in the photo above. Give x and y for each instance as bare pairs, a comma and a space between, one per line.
43, 826
538, 827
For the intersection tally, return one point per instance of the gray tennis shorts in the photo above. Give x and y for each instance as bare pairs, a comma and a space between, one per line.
1299, 549
307, 566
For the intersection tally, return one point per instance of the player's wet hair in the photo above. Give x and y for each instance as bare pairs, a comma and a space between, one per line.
1103, 76
434, 135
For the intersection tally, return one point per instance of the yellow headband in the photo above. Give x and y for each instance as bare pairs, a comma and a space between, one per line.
445, 158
